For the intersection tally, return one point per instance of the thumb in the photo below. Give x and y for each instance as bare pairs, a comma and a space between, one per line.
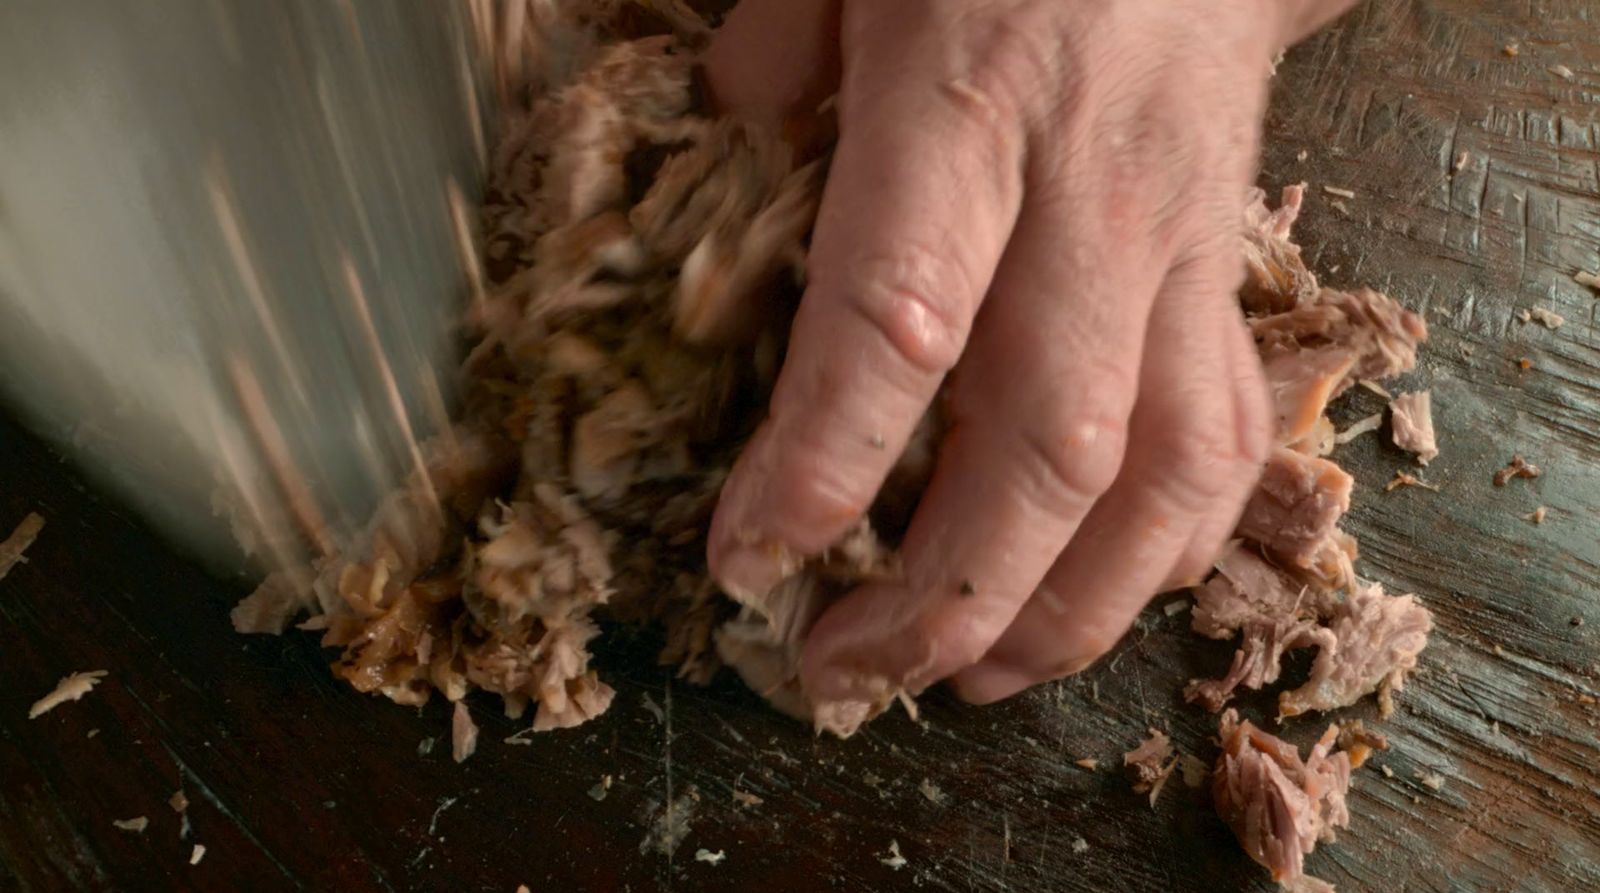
774, 58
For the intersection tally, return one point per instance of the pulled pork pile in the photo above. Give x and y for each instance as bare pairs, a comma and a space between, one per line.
1288, 581
644, 261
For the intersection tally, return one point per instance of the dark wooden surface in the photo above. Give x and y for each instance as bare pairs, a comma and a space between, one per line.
296, 781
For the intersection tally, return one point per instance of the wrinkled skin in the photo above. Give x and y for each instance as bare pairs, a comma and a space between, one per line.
1035, 204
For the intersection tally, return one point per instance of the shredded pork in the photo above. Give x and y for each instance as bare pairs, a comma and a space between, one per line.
1411, 416
12, 547
1279, 805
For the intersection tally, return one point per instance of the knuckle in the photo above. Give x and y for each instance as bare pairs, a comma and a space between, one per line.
919, 302
1074, 458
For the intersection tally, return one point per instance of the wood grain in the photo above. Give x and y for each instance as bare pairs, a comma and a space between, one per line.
297, 782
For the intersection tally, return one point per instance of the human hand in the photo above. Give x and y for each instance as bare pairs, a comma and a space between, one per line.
1041, 200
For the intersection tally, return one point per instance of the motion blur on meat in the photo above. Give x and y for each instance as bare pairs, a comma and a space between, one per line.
233, 250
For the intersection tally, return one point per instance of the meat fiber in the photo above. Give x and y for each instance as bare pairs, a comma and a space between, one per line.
1150, 764
1278, 805
1276, 278
1411, 417
1270, 613
1294, 514
1370, 643
1366, 642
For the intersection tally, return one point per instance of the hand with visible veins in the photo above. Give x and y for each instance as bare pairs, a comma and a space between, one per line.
1036, 206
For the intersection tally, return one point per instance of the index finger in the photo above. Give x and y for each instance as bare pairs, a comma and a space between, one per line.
923, 195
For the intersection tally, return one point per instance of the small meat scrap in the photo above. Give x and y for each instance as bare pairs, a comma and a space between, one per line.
1536, 516
1150, 764
1193, 769
1089, 763
1563, 72
463, 733
1547, 318
705, 855
1518, 467
1588, 279
1411, 418
1271, 614
1339, 192
1433, 781
1370, 643
70, 688
1359, 742
135, 825
893, 859
196, 854
1278, 805
1359, 427
21, 538
1407, 479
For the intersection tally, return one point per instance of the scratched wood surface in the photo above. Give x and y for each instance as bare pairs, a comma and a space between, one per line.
295, 781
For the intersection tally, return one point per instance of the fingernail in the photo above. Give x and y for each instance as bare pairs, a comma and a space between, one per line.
986, 683
749, 572
990, 681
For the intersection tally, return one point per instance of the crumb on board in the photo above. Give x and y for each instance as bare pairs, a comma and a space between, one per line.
1563, 72
1462, 159
1339, 191
1407, 479
745, 798
1511, 50
1433, 781
1536, 516
894, 859
931, 791
1498, 651
198, 853
1342, 208
136, 824
179, 801
463, 733
92, 733
600, 789
1524, 363
1586, 278
1387, 772
21, 538
1089, 763
708, 857
1079, 845
70, 688
1302, 155
1518, 467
